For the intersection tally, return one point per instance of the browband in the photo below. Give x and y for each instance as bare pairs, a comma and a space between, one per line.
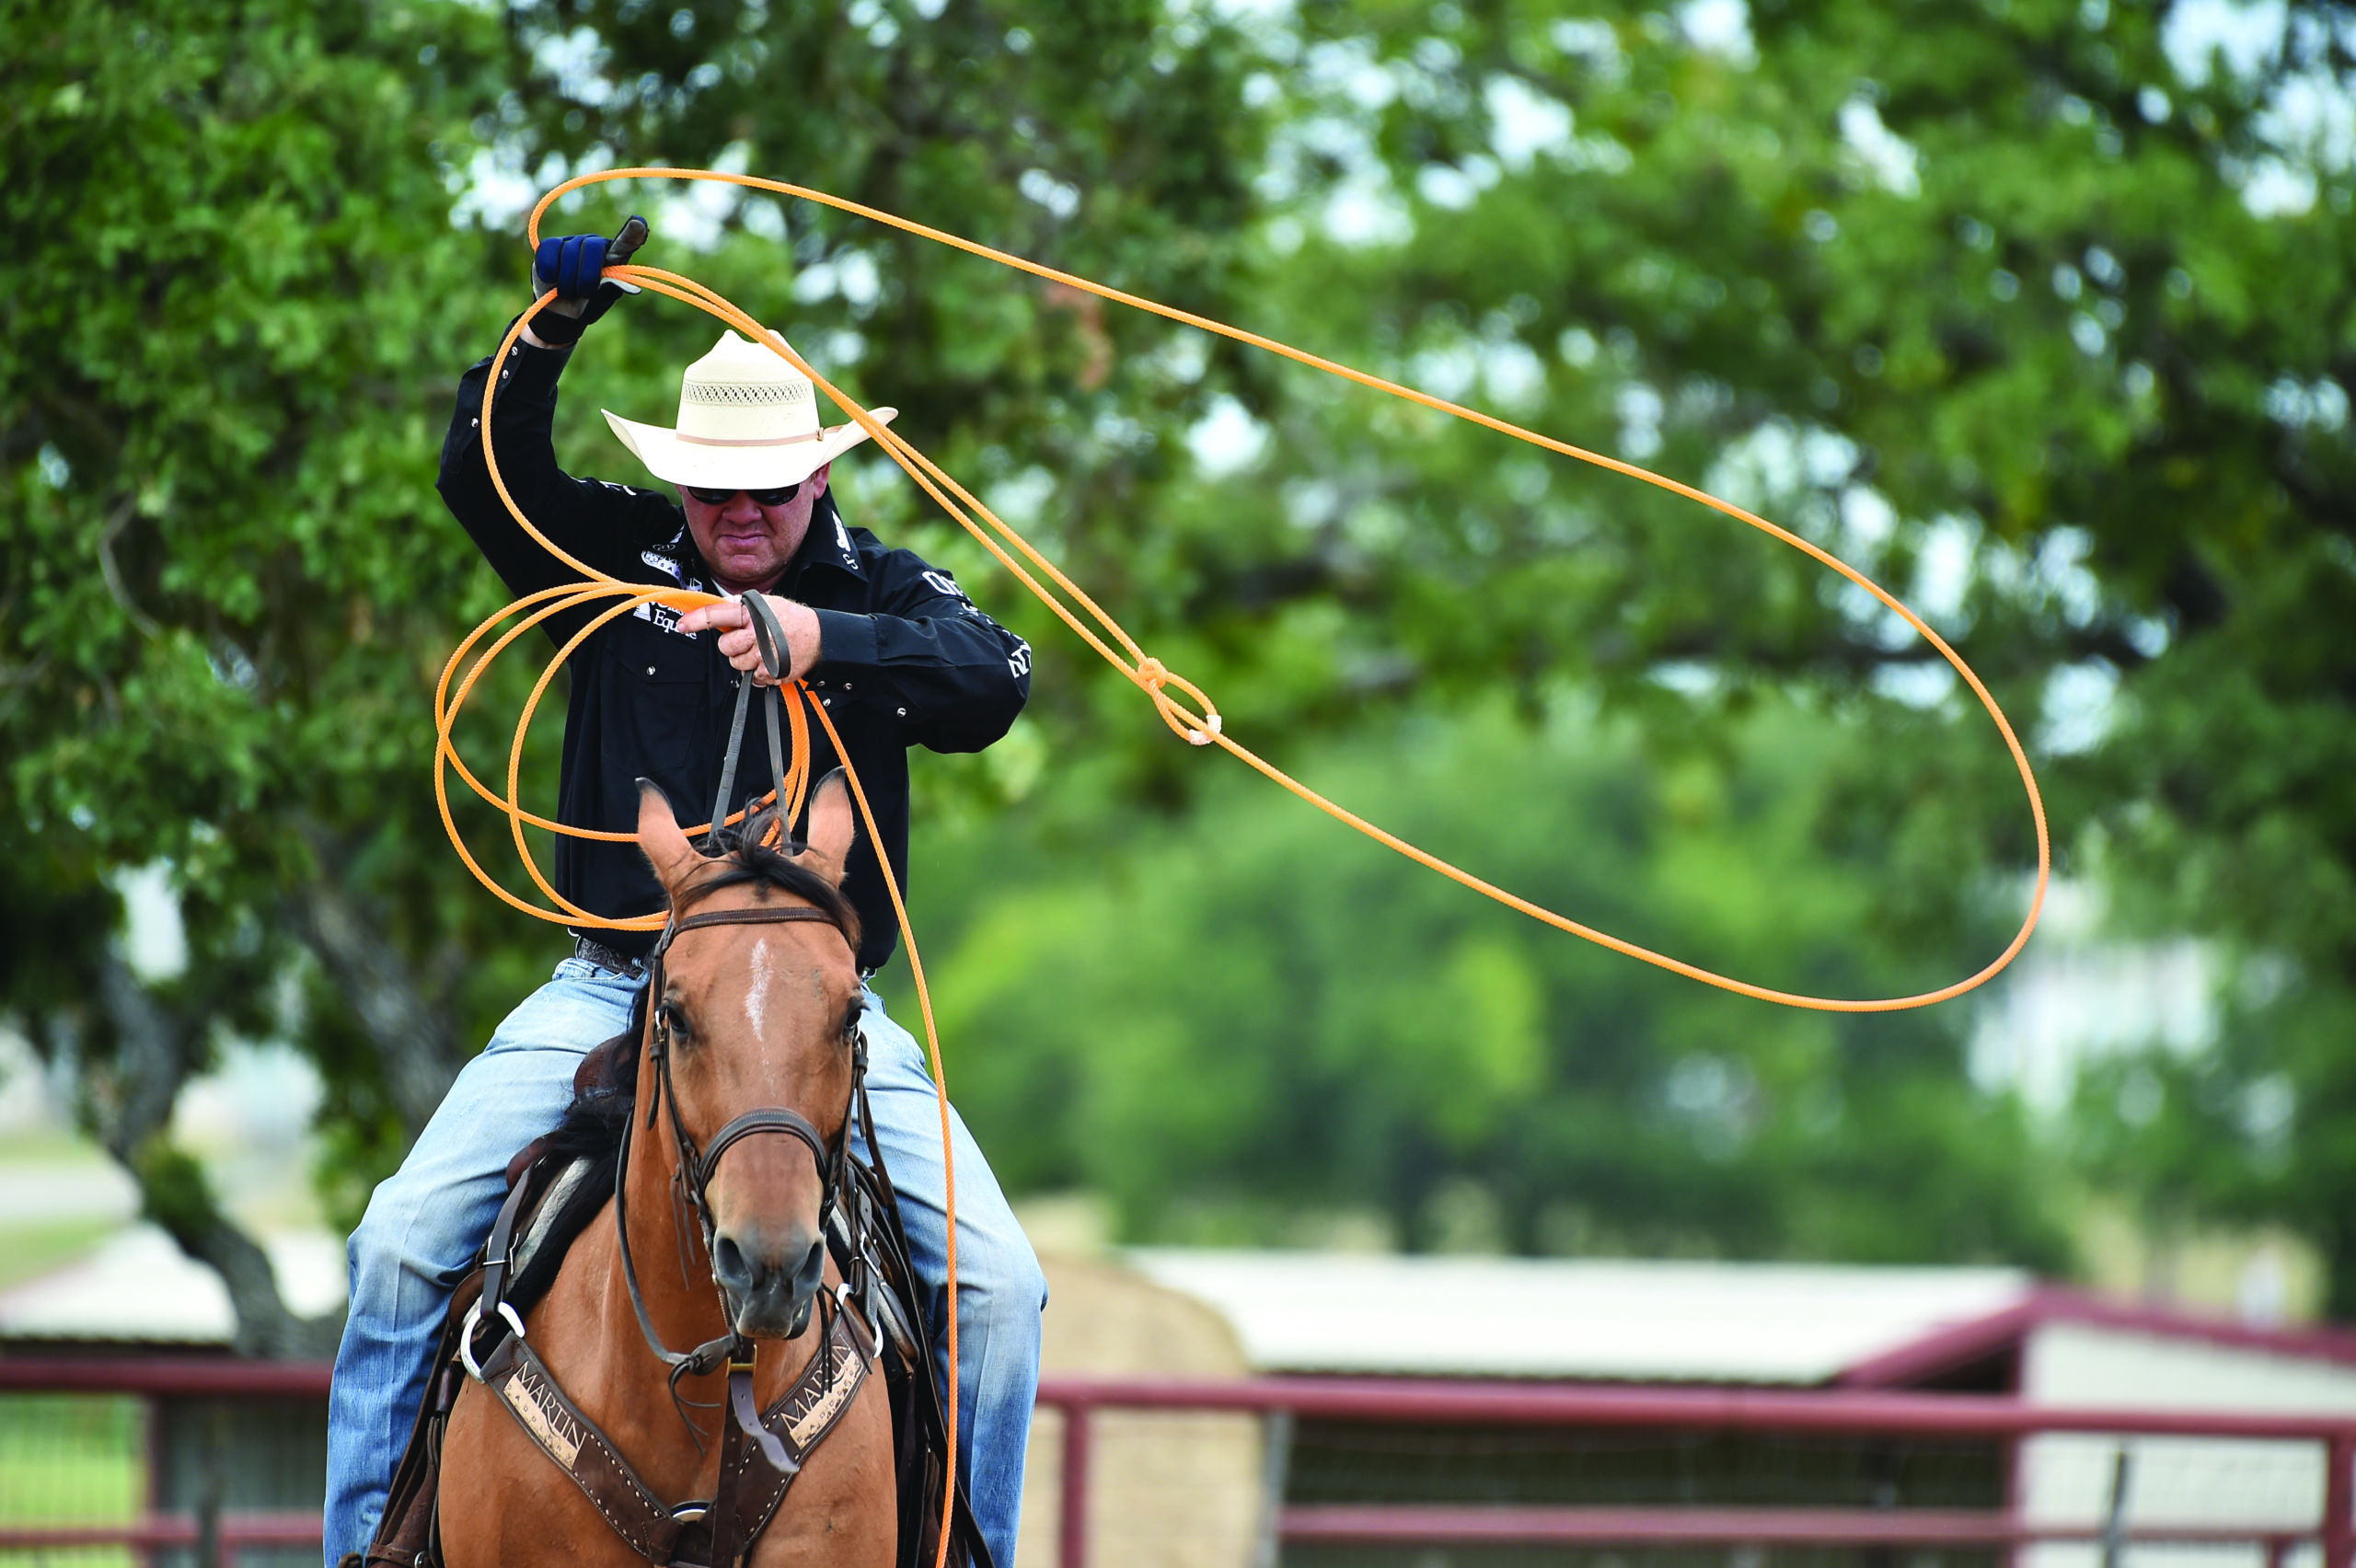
755, 914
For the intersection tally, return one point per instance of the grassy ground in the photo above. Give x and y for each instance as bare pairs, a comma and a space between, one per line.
70, 1460
78, 1178
27, 1251
50, 1146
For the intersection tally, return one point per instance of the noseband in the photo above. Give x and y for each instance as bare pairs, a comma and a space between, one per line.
698, 1164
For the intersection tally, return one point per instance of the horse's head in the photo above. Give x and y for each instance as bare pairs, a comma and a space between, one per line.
756, 1018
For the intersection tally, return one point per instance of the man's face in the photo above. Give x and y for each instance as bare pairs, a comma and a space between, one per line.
748, 545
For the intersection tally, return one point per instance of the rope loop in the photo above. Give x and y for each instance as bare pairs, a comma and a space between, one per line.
1198, 724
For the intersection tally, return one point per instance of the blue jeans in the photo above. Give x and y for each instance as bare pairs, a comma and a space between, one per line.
425, 1223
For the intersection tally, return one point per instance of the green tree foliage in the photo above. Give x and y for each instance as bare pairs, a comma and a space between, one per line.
1995, 299
1256, 1022
2035, 309
229, 584
232, 328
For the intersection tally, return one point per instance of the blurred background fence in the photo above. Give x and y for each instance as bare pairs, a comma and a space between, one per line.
211, 1462
177, 1463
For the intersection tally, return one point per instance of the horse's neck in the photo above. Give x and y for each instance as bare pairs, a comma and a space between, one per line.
682, 1303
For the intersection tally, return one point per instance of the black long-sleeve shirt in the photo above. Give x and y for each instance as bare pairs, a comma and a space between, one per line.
905, 659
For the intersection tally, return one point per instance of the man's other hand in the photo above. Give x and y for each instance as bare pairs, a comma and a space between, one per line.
736, 640
573, 265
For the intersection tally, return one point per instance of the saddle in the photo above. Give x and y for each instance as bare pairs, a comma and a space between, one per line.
556, 1186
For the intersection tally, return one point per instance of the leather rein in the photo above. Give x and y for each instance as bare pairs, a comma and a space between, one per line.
696, 1166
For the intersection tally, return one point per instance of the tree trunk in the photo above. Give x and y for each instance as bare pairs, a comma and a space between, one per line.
414, 1035
131, 1100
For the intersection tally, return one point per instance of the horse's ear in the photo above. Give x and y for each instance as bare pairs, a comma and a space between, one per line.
832, 826
659, 838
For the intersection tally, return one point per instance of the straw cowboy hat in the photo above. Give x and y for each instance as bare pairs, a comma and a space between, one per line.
747, 420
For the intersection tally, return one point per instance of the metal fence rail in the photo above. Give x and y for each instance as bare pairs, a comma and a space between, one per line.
1460, 1524
1782, 1412
233, 1531
1283, 1401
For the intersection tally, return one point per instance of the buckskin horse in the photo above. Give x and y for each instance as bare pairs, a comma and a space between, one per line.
717, 1239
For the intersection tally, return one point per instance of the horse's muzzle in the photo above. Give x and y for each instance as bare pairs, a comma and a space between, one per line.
768, 1282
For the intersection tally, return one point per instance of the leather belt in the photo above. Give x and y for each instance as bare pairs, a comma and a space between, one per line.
591, 951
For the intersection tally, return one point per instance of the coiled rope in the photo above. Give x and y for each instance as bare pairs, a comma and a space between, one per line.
1194, 719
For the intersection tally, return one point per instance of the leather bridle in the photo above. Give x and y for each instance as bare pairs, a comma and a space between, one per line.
697, 1165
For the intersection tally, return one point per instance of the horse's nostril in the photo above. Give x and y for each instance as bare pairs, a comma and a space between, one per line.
768, 1287
729, 1263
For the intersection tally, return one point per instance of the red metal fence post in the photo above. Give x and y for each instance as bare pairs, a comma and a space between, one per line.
2339, 1502
151, 1436
2016, 1511
1071, 1544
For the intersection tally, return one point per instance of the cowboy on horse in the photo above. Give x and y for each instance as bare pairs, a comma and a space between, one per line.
898, 656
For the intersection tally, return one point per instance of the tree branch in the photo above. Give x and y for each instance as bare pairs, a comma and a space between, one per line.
414, 1035
113, 573
175, 1195
132, 1097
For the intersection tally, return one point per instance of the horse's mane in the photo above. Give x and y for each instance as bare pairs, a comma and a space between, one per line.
607, 1093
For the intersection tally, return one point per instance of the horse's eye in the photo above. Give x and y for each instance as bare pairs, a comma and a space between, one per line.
674, 1022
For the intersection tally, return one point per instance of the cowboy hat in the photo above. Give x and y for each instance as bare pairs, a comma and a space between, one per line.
748, 420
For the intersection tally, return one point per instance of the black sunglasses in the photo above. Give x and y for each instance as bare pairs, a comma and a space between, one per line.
760, 496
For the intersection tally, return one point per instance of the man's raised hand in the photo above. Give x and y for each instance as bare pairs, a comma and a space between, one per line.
573, 266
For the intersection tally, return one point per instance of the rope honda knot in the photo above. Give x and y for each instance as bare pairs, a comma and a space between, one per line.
1152, 675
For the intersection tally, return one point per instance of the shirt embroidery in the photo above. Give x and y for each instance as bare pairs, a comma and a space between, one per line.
941, 582
663, 561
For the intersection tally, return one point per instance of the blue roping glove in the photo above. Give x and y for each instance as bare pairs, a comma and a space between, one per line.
571, 264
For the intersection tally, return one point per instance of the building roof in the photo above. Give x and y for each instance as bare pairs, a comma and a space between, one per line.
1650, 1322
1590, 1319
1660, 1322
137, 1286
1963, 1344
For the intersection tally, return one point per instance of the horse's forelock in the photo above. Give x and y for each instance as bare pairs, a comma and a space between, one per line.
747, 860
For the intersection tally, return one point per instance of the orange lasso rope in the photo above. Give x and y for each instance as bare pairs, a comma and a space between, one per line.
1196, 719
